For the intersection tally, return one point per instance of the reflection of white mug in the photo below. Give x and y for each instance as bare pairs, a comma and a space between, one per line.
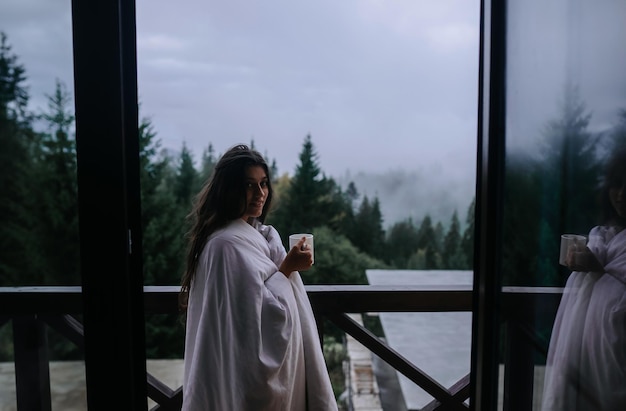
573, 242
308, 242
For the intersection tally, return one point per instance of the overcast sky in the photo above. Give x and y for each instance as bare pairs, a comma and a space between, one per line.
378, 84
386, 88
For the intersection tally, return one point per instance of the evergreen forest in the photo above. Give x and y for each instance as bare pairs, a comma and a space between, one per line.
546, 194
40, 244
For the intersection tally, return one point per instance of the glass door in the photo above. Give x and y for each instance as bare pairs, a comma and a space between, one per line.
549, 315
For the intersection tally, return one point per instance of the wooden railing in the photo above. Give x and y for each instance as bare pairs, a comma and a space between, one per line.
31, 309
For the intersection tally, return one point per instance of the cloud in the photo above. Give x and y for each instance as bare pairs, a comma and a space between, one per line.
375, 83
159, 43
451, 38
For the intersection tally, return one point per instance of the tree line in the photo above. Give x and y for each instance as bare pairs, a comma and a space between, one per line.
39, 213
545, 194
555, 190
39, 207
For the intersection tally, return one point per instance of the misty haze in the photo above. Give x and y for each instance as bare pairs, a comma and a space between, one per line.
416, 193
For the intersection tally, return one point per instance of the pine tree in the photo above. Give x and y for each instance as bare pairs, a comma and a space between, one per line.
452, 256
13, 92
162, 215
377, 232
352, 193
425, 233
439, 236
336, 209
367, 232
306, 188
58, 195
618, 133
467, 241
311, 200
359, 234
273, 169
20, 263
402, 242
163, 226
426, 241
186, 178
550, 195
207, 164
301, 206
570, 165
522, 216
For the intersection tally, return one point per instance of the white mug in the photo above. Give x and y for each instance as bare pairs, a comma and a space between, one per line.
569, 242
308, 242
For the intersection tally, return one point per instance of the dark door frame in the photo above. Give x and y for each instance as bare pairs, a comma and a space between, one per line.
105, 87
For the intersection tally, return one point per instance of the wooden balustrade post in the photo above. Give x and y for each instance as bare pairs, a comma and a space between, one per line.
32, 371
519, 368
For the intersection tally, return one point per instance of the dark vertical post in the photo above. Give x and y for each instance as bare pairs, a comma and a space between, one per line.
488, 216
519, 371
32, 372
105, 84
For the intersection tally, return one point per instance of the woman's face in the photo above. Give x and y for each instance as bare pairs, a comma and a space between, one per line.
617, 195
257, 189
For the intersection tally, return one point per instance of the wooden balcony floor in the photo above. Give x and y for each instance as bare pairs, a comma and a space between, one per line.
67, 383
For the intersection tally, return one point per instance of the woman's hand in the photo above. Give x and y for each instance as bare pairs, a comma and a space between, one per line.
299, 258
582, 260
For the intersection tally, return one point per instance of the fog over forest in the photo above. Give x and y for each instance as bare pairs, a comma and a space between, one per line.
401, 192
414, 193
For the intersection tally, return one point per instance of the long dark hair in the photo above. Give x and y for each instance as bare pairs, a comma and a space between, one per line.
614, 176
222, 199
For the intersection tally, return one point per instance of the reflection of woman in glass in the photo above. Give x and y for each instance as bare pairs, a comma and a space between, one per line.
586, 366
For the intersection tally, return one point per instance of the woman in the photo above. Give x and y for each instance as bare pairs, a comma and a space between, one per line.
251, 340
586, 366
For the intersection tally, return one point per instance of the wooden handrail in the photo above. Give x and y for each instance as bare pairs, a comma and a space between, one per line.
324, 298
54, 305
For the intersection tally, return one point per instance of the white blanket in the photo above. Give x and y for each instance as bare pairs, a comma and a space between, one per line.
251, 339
586, 365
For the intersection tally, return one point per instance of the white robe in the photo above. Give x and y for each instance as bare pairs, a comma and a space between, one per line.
586, 365
251, 340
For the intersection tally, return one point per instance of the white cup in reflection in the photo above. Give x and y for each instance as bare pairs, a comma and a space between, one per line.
571, 242
308, 242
